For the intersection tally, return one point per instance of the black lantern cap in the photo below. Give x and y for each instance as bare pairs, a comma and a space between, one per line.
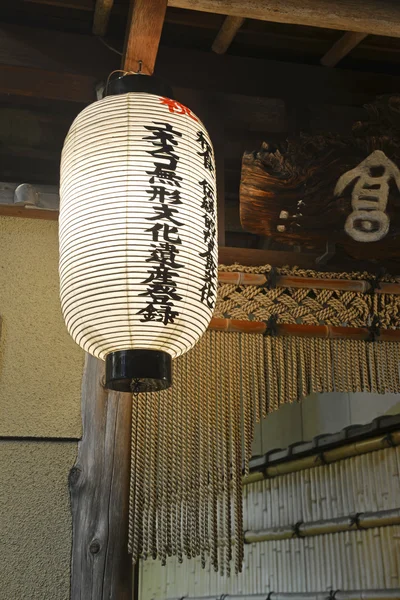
136, 82
138, 371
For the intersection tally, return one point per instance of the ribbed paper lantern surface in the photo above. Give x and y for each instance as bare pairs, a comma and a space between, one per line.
138, 251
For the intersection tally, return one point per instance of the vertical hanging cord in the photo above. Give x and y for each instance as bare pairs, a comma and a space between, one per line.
153, 475
174, 472
167, 398
255, 389
246, 407
193, 377
362, 360
205, 356
181, 464
227, 461
132, 485
192, 474
356, 369
186, 453
213, 456
139, 477
147, 478
201, 368
224, 485
290, 364
263, 392
235, 417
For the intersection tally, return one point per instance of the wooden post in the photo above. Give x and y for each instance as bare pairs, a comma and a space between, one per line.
99, 487
143, 35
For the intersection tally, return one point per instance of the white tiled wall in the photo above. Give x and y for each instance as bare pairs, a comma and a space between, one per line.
321, 413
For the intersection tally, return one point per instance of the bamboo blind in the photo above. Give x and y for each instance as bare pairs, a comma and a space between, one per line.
359, 559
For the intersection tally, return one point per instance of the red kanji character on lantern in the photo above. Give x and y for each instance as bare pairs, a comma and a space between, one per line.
177, 108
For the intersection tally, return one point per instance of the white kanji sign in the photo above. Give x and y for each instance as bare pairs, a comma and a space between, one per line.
369, 222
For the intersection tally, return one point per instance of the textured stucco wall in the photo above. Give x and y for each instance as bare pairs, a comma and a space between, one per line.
35, 519
40, 365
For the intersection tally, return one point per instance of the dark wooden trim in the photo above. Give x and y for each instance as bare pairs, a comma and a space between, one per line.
99, 487
8, 210
276, 258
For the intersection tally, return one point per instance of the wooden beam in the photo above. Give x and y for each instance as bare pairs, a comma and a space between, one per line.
302, 330
242, 75
99, 487
49, 85
101, 17
89, 61
86, 5
143, 35
226, 34
366, 16
342, 48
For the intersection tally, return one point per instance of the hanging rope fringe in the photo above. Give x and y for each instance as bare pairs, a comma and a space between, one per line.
192, 443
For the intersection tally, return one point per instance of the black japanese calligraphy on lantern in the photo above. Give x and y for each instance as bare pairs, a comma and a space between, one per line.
208, 288
164, 194
206, 152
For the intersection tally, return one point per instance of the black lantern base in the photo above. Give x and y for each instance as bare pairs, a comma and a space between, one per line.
138, 371
137, 83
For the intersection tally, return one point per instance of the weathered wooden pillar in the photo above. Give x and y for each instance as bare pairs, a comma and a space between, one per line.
99, 488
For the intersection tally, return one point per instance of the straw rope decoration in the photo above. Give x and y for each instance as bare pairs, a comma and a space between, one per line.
192, 442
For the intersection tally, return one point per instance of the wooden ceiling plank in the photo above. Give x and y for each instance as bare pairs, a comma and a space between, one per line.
226, 34
50, 85
101, 17
344, 45
143, 35
86, 5
365, 16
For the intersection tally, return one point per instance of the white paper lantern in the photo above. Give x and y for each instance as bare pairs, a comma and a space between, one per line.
138, 249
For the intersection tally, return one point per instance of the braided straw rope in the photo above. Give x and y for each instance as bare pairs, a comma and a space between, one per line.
189, 443
308, 306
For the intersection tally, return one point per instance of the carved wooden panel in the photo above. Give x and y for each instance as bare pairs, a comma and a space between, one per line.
329, 188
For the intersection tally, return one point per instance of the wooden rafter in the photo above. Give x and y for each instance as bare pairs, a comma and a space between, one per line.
101, 17
226, 34
344, 45
143, 35
366, 16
